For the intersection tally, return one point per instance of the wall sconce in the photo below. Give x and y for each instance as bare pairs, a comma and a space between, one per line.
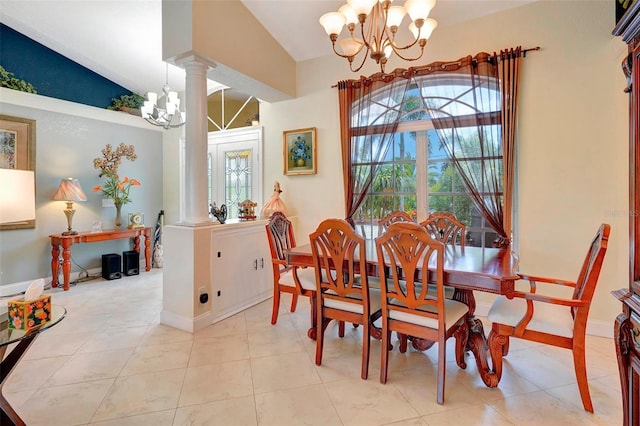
69, 191
17, 196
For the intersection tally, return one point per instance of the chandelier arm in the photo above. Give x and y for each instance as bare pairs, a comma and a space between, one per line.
409, 59
395, 47
364, 59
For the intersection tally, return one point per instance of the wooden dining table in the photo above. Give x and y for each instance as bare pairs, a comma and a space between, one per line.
467, 269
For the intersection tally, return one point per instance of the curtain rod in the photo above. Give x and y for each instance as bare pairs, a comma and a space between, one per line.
524, 55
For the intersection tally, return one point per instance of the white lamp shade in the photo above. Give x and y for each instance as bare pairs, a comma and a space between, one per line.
350, 46
152, 97
419, 9
395, 15
17, 196
361, 7
428, 27
350, 16
332, 22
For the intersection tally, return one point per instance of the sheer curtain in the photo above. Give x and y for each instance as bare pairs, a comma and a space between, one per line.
370, 109
472, 103
478, 132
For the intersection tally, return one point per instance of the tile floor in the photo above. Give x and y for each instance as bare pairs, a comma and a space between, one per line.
110, 362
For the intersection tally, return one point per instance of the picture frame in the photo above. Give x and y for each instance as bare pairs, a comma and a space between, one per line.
17, 151
299, 150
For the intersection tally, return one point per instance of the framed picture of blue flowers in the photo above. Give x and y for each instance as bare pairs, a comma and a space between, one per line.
300, 153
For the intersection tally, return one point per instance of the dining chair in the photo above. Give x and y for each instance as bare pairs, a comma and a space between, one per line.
393, 217
550, 320
404, 253
445, 227
287, 279
342, 286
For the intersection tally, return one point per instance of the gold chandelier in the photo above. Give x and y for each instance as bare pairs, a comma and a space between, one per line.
379, 22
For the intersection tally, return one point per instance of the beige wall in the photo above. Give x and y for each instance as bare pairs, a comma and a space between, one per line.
572, 158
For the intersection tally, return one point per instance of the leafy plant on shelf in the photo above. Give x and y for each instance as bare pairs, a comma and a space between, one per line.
133, 101
300, 152
113, 187
8, 80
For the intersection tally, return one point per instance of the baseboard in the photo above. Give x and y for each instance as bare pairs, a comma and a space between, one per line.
21, 287
190, 325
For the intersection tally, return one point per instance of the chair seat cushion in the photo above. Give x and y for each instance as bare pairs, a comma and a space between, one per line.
375, 302
307, 277
453, 309
547, 318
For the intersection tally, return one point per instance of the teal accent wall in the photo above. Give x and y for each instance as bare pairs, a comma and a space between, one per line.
52, 74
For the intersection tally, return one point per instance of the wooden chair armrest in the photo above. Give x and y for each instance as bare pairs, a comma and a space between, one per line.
521, 326
533, 279
556, 300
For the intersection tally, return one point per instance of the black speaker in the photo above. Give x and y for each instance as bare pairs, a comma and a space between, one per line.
130, 262
111, 266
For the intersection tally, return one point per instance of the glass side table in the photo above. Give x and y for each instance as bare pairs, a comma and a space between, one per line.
23, 340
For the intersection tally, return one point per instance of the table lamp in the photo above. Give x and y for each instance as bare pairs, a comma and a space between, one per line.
69, 191
17, 196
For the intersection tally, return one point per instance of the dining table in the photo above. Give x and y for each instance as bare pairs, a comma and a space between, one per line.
467, 269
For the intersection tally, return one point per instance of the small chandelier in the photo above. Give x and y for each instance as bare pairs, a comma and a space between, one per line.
379, 22
165, 110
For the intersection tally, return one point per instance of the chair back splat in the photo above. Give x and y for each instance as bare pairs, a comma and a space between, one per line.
445, 227
393, 217
556, 321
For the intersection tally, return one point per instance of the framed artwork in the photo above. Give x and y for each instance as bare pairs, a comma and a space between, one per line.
300, 152
17, 151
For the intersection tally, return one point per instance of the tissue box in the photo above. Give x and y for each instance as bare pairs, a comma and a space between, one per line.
28, 314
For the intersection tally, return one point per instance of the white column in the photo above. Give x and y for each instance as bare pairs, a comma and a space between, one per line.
195, 196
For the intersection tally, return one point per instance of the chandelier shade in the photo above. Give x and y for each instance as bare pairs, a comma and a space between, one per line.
379, 23
163, 110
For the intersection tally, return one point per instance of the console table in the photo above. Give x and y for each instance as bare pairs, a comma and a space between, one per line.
66, 241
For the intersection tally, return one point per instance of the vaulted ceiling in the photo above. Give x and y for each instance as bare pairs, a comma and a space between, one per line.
121, 39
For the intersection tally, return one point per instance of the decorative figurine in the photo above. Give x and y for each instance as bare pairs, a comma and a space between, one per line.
275, 204
218, 213
246, 210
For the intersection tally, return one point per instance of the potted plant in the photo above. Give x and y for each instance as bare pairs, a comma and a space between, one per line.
128, 103
8, 80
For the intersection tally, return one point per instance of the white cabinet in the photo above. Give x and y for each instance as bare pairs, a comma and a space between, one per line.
241, 274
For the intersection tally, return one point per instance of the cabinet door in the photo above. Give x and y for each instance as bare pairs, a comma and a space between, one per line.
634, 388
241, 270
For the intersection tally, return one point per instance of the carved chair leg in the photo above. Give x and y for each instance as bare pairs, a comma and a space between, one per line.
311, 333
366, 343
294, 302
341, 328
403, 342
384, 358
319, 342
579, 365
276, 305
